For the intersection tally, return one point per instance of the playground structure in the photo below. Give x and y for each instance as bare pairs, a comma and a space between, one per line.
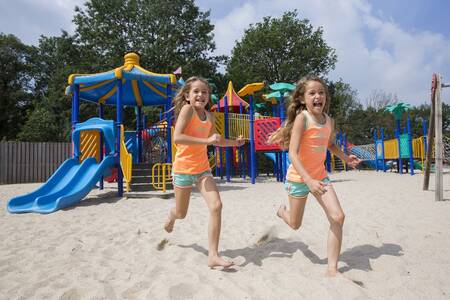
102, 147
403, 151
251, 127
99, 144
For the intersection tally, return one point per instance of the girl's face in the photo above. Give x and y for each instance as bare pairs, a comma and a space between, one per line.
315, 97
198, 95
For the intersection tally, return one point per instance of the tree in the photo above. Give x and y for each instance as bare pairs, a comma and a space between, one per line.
15, 84
55, 59
280, 50
379, 99
167, 34
420, 113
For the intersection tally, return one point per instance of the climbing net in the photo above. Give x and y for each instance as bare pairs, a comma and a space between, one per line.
364, 152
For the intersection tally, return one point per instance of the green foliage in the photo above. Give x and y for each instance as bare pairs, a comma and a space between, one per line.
52, 63
280, 50
15, 84
167, 34
42, 125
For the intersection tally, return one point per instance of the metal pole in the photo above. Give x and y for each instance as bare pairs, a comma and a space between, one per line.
398, 133
118, 124
139, 133
75, 109
227, 136
252, 142
375, 137
169, 123
410, 148
220, 151
101, 112
283, 152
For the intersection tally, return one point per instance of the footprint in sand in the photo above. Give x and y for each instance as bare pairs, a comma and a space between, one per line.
266, 237
262, 240
162, 244
360, 283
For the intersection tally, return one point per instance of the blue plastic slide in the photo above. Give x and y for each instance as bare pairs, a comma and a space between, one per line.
73, 180
271, 156
66, 187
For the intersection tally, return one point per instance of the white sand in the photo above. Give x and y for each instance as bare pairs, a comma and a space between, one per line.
396, 245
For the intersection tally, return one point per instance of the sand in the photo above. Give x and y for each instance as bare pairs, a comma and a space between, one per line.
396, 245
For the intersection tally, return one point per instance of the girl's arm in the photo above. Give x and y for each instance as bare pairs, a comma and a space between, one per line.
350, 160
183, 120
218, 140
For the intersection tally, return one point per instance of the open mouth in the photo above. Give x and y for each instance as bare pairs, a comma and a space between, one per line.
317, 103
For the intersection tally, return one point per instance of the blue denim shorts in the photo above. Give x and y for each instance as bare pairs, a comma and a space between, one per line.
187, 180
300, 189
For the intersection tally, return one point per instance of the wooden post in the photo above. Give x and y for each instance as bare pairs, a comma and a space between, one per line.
439, 192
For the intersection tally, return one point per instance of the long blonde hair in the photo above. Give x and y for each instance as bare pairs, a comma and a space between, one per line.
180, 99
297, 104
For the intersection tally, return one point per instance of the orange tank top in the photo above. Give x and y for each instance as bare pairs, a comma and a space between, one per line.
193, 159
313, 149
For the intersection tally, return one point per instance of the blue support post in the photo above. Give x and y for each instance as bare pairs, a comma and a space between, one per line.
227, 136
101, 112
345, 148
252, 142
283, 152
275, 166
328, 161
425, 132
411, 154
169, 123
139, 133
375, 138
240, 150
220, 151
75, 112
398, 132
119, 95
279, 168
383, 157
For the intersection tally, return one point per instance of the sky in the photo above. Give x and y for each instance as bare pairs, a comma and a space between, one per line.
390, 45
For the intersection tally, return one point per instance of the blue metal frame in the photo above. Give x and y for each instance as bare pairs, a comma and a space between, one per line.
118, 123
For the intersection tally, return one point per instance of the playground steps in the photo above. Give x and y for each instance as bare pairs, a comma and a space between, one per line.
141, 179
338, 164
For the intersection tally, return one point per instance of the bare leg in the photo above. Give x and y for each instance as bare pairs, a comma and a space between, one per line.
210, 193
335, 215
294, 216
179, 211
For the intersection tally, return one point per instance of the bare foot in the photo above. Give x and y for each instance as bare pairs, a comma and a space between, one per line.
333, 273
168, 226
217, 261
280, 211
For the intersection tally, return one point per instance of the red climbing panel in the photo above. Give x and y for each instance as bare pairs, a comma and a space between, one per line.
264, 128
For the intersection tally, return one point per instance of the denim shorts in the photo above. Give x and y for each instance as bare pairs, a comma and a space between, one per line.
300, 189
187, 180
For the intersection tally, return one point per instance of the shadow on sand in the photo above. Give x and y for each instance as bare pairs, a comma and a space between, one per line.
358, 257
